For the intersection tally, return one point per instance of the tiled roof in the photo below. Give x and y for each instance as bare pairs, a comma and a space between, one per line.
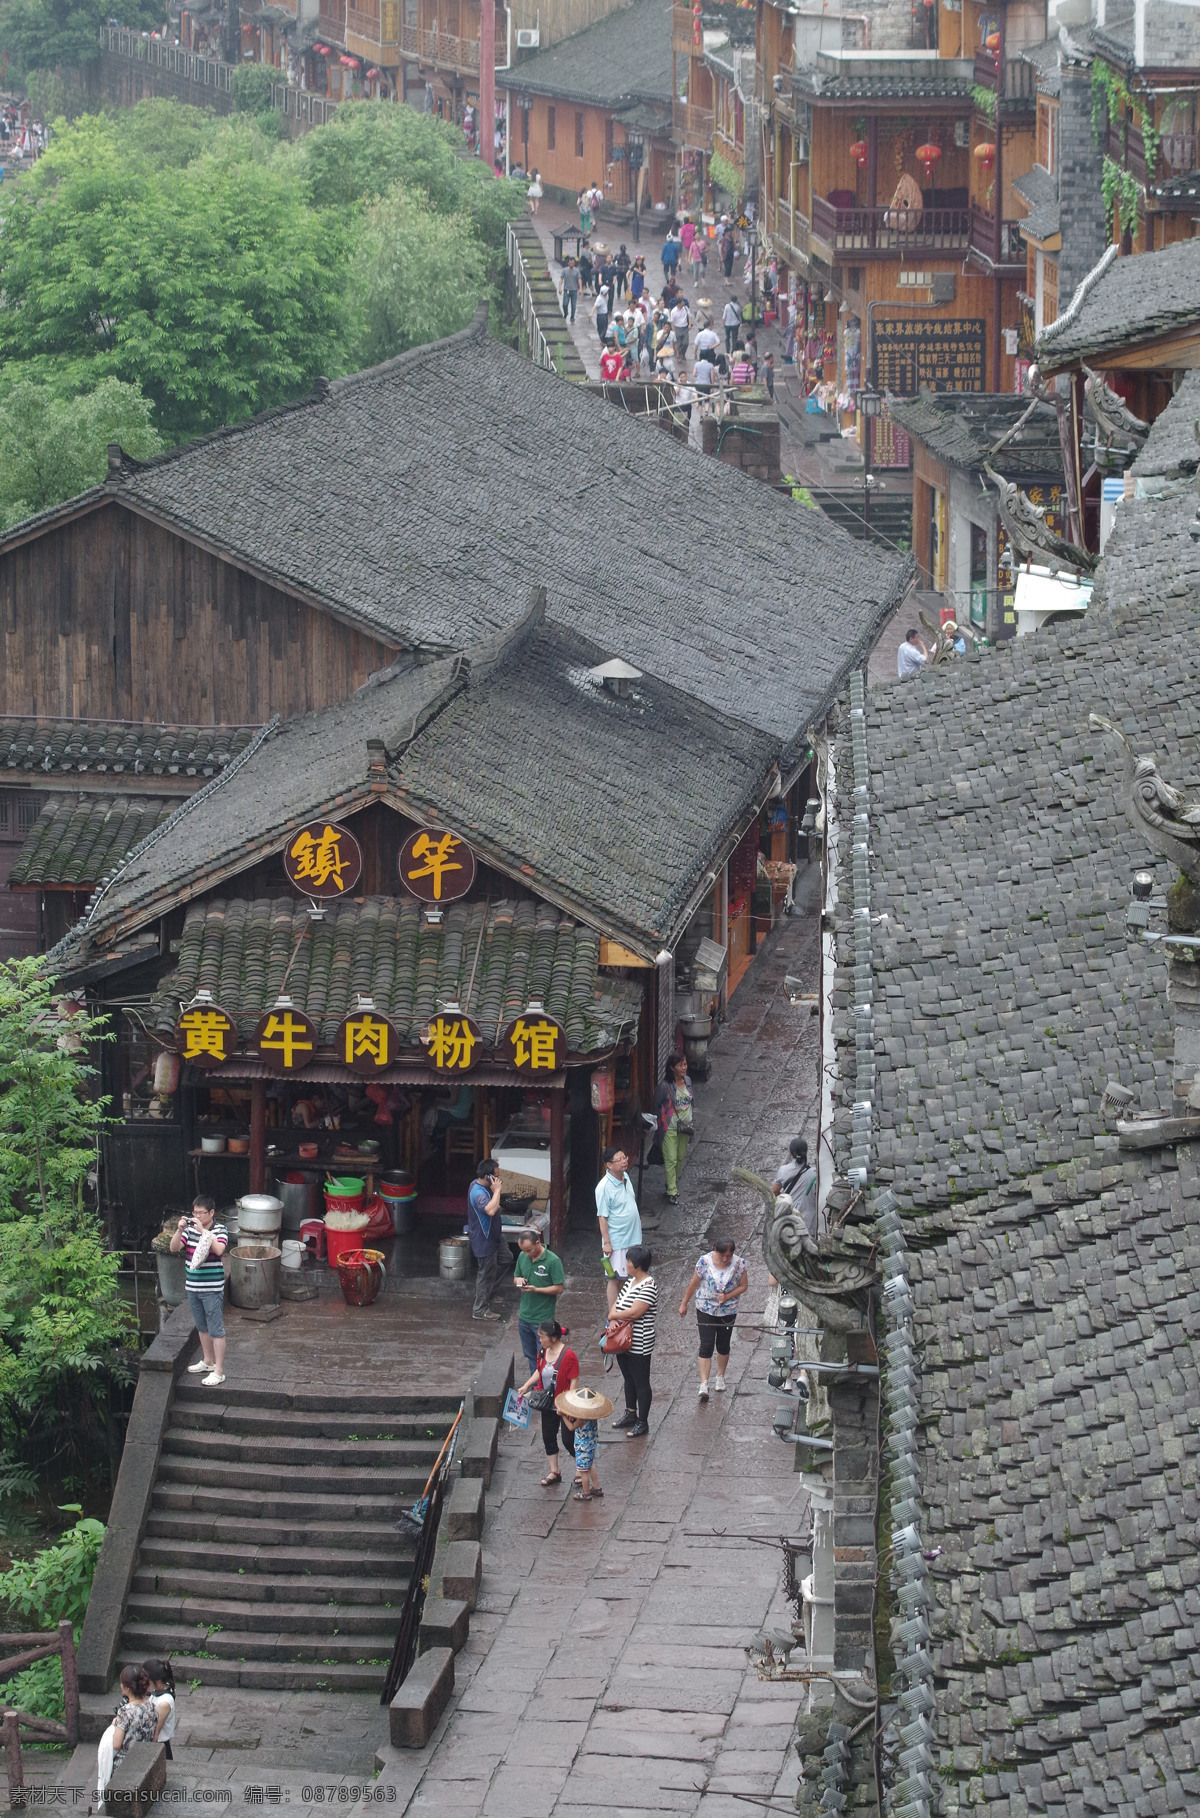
305, 767
897, 87
426, 498
383, 948
1172, 448
1040, 190
1137, 299
1044, 58
1181, 191
960, 428
77, 839
622, 58
118, 748
1169, 35
620, 802
1054, 1275
1151, 561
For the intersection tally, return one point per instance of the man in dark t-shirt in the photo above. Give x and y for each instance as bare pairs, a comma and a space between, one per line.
484, 1230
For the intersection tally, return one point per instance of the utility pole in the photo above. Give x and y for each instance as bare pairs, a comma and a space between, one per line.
486, 133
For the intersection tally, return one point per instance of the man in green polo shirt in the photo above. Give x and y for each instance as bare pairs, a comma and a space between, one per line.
539, 1275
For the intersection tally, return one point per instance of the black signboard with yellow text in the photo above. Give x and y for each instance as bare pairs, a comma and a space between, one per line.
942, 355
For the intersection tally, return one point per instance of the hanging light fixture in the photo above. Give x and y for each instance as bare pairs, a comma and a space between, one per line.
986, 153
858, 151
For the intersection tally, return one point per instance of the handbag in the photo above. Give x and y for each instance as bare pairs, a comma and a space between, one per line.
540, 1398
617, 1336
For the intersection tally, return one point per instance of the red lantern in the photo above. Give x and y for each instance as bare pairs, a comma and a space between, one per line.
858, 151
986, 153
992, 41
928, 156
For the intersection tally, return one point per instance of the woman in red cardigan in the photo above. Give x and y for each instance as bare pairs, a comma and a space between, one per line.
557, 1370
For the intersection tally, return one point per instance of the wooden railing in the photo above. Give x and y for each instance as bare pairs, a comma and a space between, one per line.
695, 124
983, 238
683, 32
1020, 77
39, 1730
1178, 152
535, 340
882, 232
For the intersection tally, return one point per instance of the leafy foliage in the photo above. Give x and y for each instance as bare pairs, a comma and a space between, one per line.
47, 34
1110, 98
250, 85
726, 175
404, 255
209, 282
984, 99
1121, 190
48, 1120
52, 447
41, 1592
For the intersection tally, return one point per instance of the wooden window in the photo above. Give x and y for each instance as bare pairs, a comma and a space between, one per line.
579, 135
549, 129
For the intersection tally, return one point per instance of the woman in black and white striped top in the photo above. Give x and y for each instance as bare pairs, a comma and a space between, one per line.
637, 1306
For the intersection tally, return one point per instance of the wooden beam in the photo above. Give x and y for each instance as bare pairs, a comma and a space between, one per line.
557, 1195
258, 1136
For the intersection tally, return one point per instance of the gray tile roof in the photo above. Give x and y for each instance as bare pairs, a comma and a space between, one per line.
1137, 299
1172, 448
1151, 560
620, 803
1179, 192
1040, 191
77, 839
426, 498
1170, 35
125, 749
960, 428
898, 86
1044, 58
1054, 1276
381, 947
624, 57
304, 768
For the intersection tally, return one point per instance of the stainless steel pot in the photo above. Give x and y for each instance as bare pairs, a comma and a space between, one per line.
301, 1200
259, 1212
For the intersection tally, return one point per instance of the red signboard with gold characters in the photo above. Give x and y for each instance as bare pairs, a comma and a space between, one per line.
323, 860
366, 1041
285, 1040
536, 1043
436, 867
205, 1035
454, 1042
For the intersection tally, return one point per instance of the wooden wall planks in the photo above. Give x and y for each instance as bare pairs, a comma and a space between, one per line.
113, 617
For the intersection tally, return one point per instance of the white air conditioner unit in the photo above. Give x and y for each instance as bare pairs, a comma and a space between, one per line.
529, 40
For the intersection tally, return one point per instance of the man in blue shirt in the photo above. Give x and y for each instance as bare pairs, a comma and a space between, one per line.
484, 1230
618, 1218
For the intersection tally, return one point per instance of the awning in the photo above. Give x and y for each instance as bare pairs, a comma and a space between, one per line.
77, 839
491, 959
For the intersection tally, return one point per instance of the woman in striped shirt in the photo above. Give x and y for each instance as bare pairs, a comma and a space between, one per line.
637, 1306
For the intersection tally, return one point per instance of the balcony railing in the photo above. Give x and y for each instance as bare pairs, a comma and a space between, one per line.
883, 232
1125, 146
683, 33
693, 124
983, 238
441, 49
1020, 77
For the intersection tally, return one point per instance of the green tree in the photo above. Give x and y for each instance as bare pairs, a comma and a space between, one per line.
212, 284
417, 276
250, 85
52, 1587
52, 448
49, 34
49, 1115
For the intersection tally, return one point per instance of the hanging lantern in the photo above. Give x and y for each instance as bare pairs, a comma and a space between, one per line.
697, 23
986, 153
928, 155
858, 151
992, 41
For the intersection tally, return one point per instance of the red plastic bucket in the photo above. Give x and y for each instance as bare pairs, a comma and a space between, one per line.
340, 1243
345, 1195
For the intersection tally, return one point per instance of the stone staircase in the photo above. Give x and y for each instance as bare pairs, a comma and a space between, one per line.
271, 1558
567, 358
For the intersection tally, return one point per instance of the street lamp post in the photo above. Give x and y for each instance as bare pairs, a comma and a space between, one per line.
635, 145
870, 403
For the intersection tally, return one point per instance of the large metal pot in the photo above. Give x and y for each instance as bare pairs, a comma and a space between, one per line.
254, 1275
301, 1199
259, 1213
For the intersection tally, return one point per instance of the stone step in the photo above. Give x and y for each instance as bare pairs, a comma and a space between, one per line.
270, 1676
298, 1618
291, 1502
177, 1468
287, 1423
320, 1538
336, 1455
440, 1408
279, 1576
140, 1639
